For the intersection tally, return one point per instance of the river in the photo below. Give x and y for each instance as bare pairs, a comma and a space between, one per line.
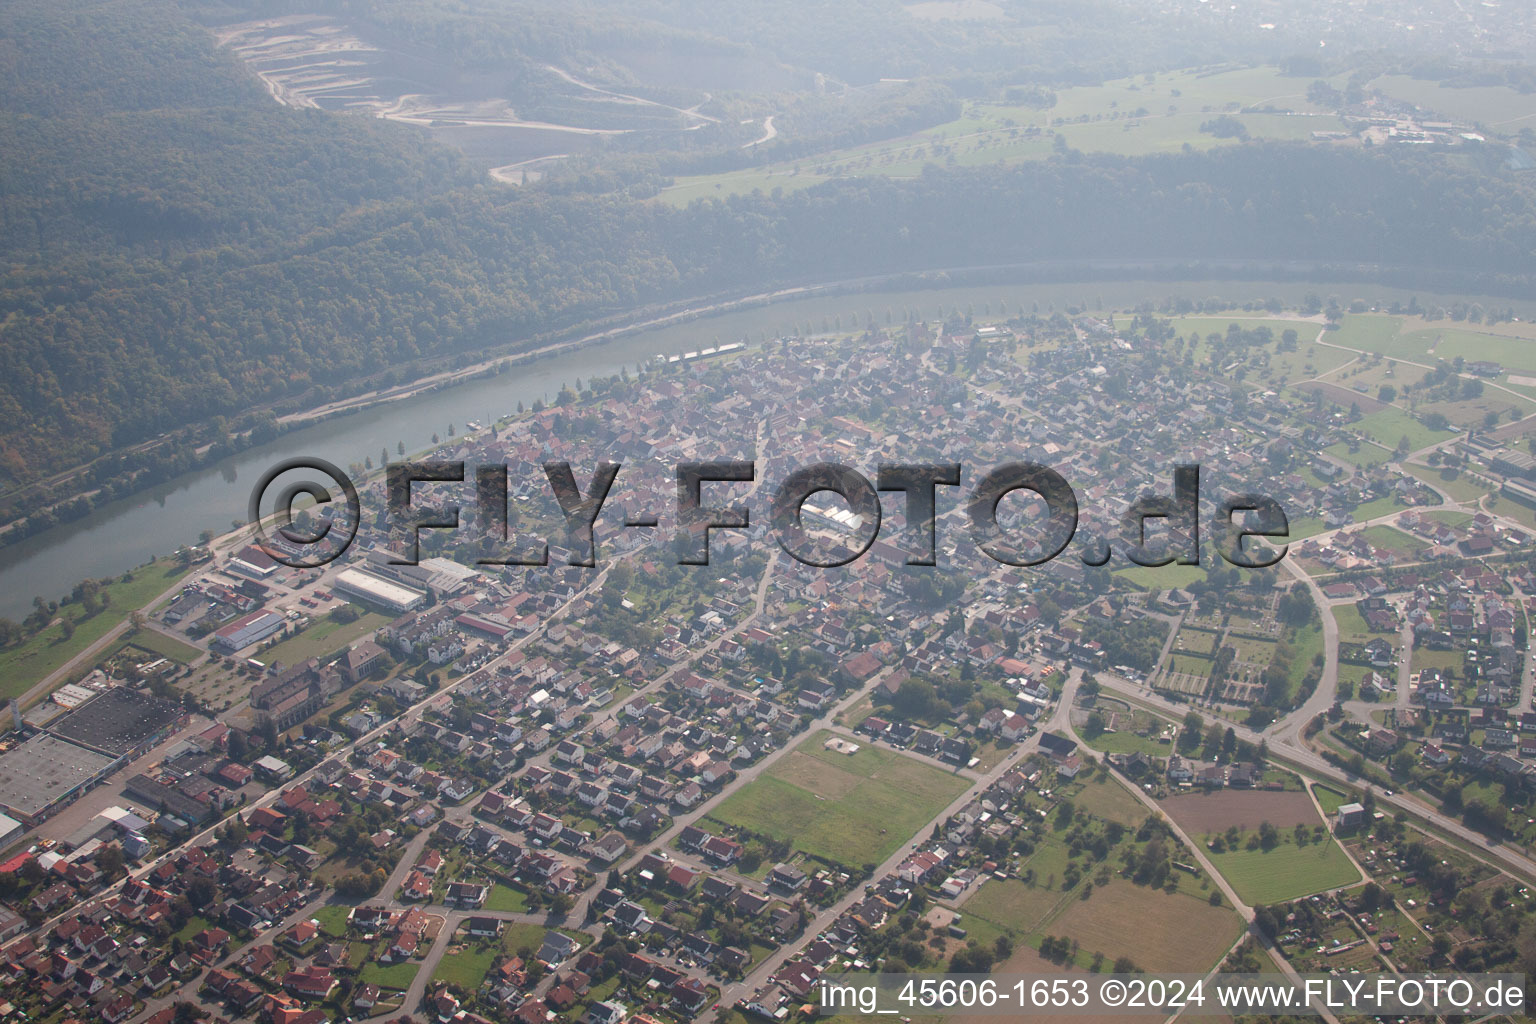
128, 533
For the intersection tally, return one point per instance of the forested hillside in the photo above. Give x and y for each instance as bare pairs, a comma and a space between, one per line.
180, 251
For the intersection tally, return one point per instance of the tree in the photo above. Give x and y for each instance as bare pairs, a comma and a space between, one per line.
1189, 736
916, 698
109, 859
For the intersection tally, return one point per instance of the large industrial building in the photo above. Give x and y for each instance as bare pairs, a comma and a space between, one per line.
119, 722
80, 748
367, 587
46, 771
10, 830
246, 630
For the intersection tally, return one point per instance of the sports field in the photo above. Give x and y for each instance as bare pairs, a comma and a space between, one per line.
854, 809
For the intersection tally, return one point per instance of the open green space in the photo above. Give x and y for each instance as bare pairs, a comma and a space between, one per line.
1011, 904
155, 642
1425, 657
1450, 342
853, 809
470, 960
465, 968
1105, 798
1158, 930
1330, 800
1390, 425
25, 664
1376, 508
1161, 577
1497, 106
1128, 743
1450, 517
1460, 486
1286, 872
504, 898
1394, 540
333, 919
1364, 455
1306, 645
394, 976
1367, 332
194, 924
1352, 627
322, 637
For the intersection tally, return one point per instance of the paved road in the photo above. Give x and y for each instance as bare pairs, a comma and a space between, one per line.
1405, 668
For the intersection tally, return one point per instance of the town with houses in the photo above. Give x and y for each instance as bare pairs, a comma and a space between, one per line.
440, 789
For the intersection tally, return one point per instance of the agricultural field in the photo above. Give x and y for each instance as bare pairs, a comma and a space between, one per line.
1286, 872
1448, 341
1131, 116
1497, 106
1201, 814
1173, 932
852, 809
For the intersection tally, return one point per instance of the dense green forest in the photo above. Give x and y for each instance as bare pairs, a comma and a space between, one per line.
180, 252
